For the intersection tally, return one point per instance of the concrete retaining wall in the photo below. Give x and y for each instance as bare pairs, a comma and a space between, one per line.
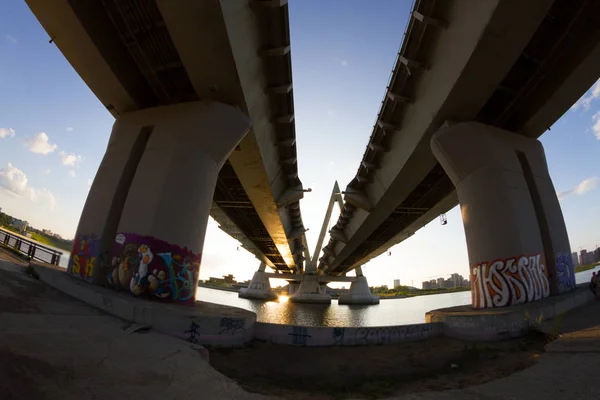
204, 323
325, 336
508, 322
213, 324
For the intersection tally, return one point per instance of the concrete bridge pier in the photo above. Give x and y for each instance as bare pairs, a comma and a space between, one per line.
311, 291
259, 288
143, 225
517, 241
360, 293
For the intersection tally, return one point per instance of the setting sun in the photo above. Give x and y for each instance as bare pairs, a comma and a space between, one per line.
283, 299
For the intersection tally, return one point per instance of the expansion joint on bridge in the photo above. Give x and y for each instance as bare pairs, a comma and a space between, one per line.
399, 98
338, 235
287, 142
284, 119
282, 89
429, 20
377, 147
275, 51
358, 199
387, 127
369, 166
268, 3
412, 64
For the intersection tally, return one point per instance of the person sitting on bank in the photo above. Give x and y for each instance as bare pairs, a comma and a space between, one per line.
594, 283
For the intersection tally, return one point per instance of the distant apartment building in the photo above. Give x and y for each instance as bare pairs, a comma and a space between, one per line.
575, 259
585, 257
20, 225
455, 281
396, 283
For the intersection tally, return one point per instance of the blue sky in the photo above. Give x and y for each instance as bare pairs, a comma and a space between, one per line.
53, 133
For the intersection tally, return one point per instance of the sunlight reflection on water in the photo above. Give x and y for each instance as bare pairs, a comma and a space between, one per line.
388, 312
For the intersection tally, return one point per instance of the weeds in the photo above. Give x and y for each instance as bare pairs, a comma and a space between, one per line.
29, 270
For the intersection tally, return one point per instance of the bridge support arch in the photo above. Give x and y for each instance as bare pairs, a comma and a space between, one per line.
260, 287
143, 224
360, 293
517, 241
311, 291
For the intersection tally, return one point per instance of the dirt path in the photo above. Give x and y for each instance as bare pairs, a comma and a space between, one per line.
318, 373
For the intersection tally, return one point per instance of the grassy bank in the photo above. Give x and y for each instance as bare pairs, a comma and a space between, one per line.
52, 241
407, 292
585, 267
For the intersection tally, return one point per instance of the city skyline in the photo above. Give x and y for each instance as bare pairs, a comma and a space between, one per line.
54, 133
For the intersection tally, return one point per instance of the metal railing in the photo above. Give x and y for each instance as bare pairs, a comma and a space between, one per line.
29, 248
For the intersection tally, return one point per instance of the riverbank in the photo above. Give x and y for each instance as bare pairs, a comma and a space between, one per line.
406, 293
53, 360
66, 245
223, 288
581, 268
329, 373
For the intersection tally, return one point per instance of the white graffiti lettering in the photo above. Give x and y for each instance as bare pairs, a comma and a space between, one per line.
508, 282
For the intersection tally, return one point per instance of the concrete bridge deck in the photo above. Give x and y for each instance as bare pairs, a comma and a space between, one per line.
509, 64
135, 55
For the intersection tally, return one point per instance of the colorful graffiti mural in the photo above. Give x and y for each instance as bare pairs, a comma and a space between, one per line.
510, 281
84, 256
565, 272
148, 266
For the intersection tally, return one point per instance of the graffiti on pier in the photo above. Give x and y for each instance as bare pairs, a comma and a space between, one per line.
83, 256
511, 281
338, 335
299, 335
565, 272
148, 266
192, 332
230, 326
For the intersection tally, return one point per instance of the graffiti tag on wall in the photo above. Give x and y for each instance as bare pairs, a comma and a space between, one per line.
508, 282
565, 272
389, 335
84, 256
230, 326
148, 266
299, 335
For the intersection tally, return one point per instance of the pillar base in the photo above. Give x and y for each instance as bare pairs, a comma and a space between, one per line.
259, 288
311, 291
360, 294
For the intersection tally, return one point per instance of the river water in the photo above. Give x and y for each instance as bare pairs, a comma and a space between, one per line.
387, 312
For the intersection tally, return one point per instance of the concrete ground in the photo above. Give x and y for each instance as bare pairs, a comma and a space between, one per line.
54, 347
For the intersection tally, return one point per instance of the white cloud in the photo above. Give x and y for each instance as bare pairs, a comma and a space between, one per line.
72, 173
582, 188
44, 196
7, 133
11, 39
596, 126
46, 171
70, 159
586, 100
344, 63
40, 144
69, 129
15, 181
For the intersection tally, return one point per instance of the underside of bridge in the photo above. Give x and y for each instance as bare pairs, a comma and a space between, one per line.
145, 69
567, 34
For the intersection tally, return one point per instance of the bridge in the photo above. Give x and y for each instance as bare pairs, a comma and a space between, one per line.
474, 85
141, 58
512, 67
